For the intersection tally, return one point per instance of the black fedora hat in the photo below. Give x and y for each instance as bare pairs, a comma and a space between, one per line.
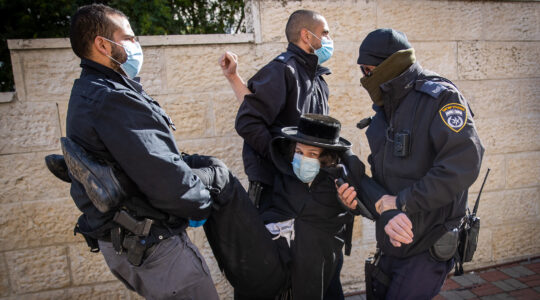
319, 131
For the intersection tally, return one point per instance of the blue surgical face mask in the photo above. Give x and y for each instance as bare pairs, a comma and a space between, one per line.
325, 52
305, 168
132, 66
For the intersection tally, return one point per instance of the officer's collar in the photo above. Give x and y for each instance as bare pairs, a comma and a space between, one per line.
322, 71
398, 87
89, 65
310, 61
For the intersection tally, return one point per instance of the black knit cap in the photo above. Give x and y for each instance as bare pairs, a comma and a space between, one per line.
319, 131
380, 44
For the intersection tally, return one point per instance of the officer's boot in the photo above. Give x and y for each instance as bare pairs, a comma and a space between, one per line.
57, 165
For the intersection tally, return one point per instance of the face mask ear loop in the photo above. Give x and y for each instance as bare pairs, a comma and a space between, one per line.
310, 43
117, 45
114, 60
314, 35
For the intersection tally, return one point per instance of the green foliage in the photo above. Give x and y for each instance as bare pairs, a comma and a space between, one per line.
24, 19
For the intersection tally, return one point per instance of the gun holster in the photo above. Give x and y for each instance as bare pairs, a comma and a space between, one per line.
136, 247
131, 236
446, 246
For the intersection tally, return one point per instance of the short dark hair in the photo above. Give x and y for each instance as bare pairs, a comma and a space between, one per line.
88, 22
300, 19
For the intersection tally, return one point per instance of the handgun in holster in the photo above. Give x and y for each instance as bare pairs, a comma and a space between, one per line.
134, 241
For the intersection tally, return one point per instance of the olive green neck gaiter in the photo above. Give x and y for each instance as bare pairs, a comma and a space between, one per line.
389, 69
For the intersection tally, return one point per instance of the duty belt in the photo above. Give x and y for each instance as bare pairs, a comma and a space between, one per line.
135, 237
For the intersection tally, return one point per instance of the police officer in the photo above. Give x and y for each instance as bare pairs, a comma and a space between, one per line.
426, 152
115, 121
276, 96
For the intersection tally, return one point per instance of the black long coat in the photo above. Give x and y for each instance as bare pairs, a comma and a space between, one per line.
319, 222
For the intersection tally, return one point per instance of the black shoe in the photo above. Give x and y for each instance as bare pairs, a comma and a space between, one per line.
98, 178
57, 165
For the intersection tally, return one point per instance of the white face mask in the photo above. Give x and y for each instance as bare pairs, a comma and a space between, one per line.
134, 54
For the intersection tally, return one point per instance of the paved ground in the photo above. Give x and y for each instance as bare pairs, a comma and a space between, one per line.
519, 280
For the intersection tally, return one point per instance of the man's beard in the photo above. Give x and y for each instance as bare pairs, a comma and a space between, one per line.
119, 55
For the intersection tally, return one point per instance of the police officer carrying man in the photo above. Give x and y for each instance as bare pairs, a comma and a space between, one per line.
426, 152
116, 122
276, 96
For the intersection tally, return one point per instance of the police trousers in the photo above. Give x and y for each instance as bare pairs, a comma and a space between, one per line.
173, 270
415, 278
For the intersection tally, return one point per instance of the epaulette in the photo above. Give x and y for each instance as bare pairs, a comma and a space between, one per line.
432, 88
284, 57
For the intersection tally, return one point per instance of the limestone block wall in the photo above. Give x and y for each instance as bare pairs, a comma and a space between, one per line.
490, 49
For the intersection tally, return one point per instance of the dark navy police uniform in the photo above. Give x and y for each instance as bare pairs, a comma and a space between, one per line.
112, 118
430, 176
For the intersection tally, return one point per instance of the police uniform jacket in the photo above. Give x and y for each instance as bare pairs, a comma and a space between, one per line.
287, 87
112, 118
443, 158
319, 222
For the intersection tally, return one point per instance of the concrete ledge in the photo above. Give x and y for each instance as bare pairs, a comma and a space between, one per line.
150, 40
7, 97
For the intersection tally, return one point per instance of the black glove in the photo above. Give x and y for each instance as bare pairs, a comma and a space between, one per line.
213, 173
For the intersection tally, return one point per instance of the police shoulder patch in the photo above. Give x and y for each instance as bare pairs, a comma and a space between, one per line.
454, 115
434, 89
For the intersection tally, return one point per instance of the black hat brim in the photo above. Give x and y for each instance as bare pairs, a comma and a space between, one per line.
369, 60
292, 134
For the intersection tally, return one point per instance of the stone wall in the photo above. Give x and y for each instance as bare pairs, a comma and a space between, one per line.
490, 49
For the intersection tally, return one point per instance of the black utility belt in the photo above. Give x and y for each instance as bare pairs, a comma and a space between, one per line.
135, 237
136, 247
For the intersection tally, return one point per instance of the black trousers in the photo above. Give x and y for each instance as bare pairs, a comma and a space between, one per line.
243, 247
416, 277
335, 290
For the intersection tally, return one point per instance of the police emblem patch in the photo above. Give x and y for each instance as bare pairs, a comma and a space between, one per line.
454, 115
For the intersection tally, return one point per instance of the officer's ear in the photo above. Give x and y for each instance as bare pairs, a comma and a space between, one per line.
102, 46
305, 36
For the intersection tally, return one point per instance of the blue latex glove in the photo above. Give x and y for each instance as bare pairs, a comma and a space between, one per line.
193, 223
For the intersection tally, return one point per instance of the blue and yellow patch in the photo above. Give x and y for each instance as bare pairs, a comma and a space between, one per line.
454, 115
